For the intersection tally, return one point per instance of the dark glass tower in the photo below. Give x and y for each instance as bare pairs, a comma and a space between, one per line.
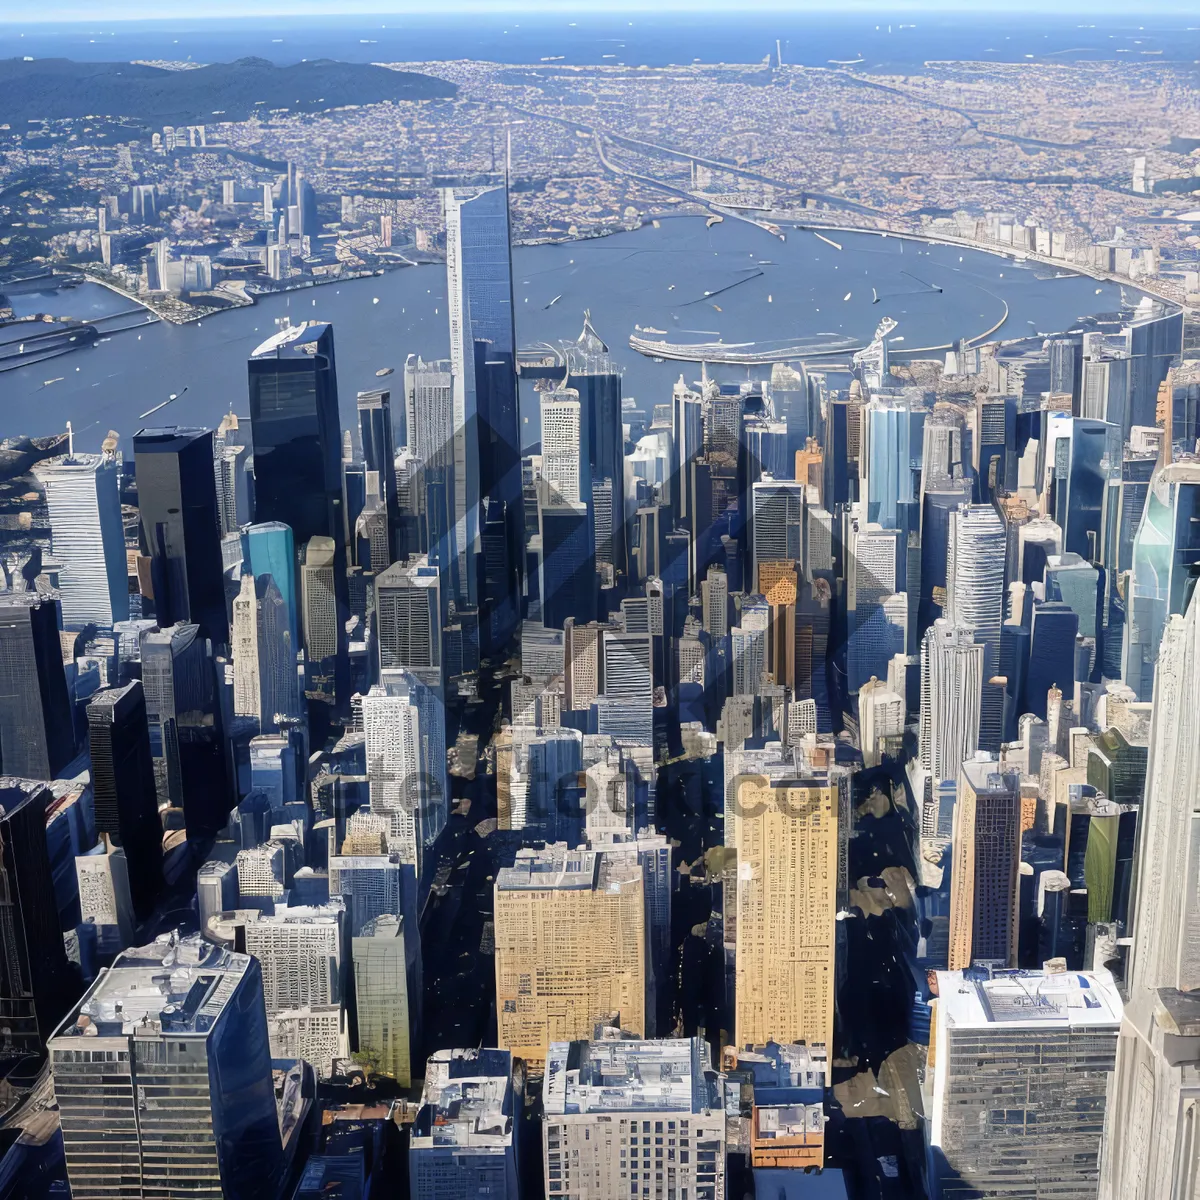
36, 983
379, 452
36, 738
181, 528
297, 450
123, 782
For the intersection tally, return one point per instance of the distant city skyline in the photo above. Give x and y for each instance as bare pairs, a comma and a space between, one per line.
146, 10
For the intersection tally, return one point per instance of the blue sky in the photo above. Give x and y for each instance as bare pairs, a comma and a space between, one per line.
107, 10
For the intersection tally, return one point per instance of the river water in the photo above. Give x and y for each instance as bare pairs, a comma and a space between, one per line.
651, 278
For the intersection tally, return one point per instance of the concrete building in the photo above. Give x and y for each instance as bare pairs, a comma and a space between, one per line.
571, 947
1019, 1064
951, 691
464, 1140
787, 840
629, 1117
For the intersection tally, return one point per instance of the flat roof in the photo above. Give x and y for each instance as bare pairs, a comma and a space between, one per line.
1017, 999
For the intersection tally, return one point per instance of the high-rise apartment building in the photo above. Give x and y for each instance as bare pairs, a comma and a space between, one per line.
570, 930
86, 535
985, 862
786, 905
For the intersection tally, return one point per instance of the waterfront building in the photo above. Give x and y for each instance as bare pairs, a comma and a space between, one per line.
87, 537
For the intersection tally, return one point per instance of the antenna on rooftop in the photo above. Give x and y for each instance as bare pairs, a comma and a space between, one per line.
70, 441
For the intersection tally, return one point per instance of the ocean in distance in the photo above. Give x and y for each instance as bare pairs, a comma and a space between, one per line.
907, 39
682, 280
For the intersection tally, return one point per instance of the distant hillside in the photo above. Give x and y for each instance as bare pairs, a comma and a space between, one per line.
57, 87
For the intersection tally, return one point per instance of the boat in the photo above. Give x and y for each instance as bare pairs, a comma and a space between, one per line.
874, 296
554, 301
384, 371
847, 295
48, 382
670, 287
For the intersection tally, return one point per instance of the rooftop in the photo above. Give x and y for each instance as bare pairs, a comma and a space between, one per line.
174, 985
559, 869
618, 1074
292, 341
467, 1101
1074, 999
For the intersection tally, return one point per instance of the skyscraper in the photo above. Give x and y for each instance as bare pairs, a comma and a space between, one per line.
264, 664
408, 608
985, 854
487, 443
36, 982
36, 726
163, 1078
123, 785
787, 841
1149, 1151
570, 947
181, 527
87, 537
381, 994
270, 549
379, 452
297, 473
951, 693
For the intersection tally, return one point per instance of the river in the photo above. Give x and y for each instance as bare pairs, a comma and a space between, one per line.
648, 279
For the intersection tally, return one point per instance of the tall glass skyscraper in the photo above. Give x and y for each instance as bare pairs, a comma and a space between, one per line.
123, 781
297, 453
487, 443
181, 528
36, 728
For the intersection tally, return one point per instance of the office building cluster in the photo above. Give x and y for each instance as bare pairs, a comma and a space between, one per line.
729, 692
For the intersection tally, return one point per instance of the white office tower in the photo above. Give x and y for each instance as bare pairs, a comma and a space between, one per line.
464, 1140
975, 597
163, 1079
216, 891
261, 871
748, 652
317, 1035
381, 995
408, 615
951, 691
542, 651
870, 585
560, 445
1151, 1147
429, 410
87, 537
632, 1117
265, 685
714, 598
777, 516
1020, 1063
412, 804
880, 720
